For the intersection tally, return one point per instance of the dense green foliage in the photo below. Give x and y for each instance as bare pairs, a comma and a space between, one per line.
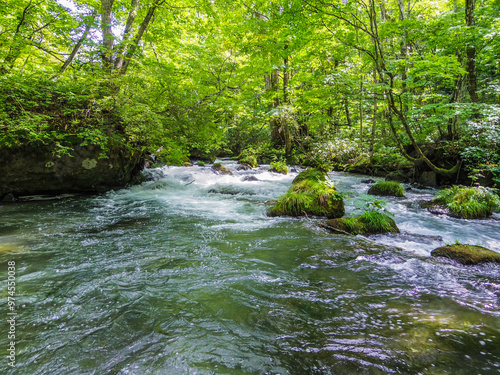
345, 84
469, 202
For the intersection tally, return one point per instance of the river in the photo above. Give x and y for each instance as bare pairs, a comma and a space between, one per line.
185, 274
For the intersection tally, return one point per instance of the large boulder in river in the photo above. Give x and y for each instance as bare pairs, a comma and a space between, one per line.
35, 169
310, 194
467, 254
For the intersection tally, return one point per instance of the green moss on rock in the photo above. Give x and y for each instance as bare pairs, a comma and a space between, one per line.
370, 222
218, 168
467, 254
249, 161
309, 197
387, 188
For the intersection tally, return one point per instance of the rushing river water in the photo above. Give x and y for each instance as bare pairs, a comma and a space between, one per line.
186, 274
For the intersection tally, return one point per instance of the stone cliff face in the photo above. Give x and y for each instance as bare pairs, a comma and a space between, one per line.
34, 169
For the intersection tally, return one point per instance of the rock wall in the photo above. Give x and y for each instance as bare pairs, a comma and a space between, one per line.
34, 169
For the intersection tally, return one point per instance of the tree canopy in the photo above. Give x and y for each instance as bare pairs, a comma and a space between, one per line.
306, 81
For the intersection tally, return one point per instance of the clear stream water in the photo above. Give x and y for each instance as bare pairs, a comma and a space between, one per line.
186, 274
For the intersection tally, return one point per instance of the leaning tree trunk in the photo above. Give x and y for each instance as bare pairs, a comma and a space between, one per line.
76, 48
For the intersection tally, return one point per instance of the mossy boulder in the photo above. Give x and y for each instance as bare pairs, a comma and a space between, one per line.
218, 168
370, 222
465, 202
467, 254
308, 196
312, 174
278, 167
387, 188
249, 162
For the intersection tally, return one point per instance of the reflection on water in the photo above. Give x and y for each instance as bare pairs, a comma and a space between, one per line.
178, 276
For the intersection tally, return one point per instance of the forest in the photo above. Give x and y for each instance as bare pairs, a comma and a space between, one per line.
370, 86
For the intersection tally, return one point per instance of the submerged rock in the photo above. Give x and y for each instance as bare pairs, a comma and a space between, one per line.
243, 167
387, 188
310, 194
9, 248
368, 181
467, 254
250, 178
218, 168
226, 191
371, 222
33, 168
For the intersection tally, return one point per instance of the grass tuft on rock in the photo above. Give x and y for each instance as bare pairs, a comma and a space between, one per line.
468, 202
312, 174
278, 167
387, 188
370, 222
309, 197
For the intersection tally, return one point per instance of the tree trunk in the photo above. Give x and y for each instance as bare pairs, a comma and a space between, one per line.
347, 114
138, 36
374, 118
361, 109
126, 35
471, 52
107, 34
275, 125
286, 120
